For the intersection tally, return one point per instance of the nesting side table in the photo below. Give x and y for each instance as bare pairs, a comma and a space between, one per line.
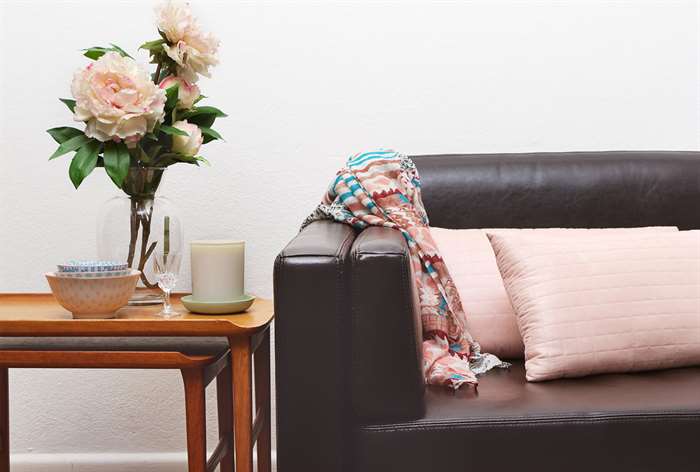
39, 316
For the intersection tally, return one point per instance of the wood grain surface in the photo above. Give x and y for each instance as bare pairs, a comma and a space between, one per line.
40, 315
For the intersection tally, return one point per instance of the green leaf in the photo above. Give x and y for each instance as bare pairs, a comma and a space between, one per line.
200, 98
142, 155
210, 134
70, 145
187, 159
171, 130
203, 121
117, 161
63, 134
70, 103
167, 158
153, 45
206, 110
171, 96
203, 116
97, 52
152, 150
84, 162
201, 159
120, 50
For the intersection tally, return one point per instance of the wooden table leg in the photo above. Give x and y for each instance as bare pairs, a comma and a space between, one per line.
262, 403
195, 410
242, 402
4, 420
224, 399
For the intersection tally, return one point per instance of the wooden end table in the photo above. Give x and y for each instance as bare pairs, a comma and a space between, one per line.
248, 334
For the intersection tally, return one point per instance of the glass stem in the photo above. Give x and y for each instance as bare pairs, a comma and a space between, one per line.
167, 308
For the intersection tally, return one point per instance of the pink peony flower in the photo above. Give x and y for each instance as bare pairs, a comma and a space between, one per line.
192, 50
116, 99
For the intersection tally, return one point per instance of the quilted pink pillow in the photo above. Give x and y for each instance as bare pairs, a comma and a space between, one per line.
472, 264
600, 303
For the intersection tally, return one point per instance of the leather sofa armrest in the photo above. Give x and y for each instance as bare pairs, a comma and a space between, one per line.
386, 373
312, 322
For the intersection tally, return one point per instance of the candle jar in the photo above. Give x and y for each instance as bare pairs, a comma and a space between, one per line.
134, 225
218, 270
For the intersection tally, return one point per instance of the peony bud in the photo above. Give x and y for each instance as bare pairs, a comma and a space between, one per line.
187, 145
187, 93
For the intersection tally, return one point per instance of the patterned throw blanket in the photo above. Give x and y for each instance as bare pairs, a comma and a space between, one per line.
382, 188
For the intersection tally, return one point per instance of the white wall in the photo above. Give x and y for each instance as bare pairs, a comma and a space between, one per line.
306, 84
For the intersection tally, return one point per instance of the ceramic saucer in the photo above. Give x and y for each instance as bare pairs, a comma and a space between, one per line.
218, 308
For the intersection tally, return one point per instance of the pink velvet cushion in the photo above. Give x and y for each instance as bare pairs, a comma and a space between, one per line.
472, 264
600, 303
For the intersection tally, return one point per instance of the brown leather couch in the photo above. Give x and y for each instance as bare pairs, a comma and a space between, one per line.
350, 396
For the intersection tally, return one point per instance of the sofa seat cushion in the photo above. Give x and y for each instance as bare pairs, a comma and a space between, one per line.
638, 422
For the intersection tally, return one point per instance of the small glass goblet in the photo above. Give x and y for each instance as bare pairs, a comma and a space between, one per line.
166, 266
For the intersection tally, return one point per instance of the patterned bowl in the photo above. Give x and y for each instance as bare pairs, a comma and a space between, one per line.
93, 275
93, 297
91, 266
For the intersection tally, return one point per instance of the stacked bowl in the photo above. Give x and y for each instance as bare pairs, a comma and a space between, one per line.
93, 289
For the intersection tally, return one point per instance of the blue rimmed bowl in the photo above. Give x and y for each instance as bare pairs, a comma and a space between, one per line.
71, 267
93, 297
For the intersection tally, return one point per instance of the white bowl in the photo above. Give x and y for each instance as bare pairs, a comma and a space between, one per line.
93, 297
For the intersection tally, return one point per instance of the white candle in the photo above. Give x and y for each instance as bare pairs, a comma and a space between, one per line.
217, 270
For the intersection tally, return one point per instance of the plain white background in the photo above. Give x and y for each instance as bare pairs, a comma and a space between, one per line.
305, 85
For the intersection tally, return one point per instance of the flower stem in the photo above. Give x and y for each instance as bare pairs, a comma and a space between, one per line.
156, 76
145, 250
134, 233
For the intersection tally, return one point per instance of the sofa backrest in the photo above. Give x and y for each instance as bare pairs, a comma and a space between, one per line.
568, 189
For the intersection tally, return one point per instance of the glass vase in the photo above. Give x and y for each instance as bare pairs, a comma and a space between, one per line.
133, 225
